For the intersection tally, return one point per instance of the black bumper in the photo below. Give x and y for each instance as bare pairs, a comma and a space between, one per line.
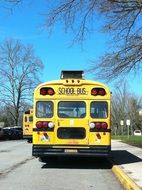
45, 151
27, 136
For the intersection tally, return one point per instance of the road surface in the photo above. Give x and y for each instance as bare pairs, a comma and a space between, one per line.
20, 171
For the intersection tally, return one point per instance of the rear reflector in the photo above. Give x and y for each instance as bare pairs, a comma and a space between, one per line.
98, 136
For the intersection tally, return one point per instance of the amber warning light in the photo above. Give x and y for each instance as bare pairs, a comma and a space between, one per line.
47, 91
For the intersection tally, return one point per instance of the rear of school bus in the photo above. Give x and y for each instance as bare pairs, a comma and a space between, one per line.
28, 125
71, 118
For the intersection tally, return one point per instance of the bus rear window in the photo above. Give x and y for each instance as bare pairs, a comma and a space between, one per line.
71, 109
25, 118
99, 109
44, 109
31, 119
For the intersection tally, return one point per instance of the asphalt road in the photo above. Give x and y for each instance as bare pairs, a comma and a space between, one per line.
20, 171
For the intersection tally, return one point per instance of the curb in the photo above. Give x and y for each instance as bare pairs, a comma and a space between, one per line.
126, 181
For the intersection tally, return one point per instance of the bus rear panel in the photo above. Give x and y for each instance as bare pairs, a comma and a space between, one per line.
28, 125
71, 118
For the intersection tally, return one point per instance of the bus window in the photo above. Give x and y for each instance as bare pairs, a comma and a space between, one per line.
44, 109
99, 109
70, 109
25, 119
31, 119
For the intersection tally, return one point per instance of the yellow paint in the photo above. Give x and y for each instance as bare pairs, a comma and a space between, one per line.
124, 178
93, 139
28, 123
81, 92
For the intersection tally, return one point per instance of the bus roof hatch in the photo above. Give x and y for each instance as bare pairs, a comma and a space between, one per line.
72, 75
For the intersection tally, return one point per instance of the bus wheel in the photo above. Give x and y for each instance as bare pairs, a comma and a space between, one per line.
29, 140
48, 159
43, 159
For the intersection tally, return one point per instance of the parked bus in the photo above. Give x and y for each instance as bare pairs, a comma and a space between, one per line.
28, 125
71, 117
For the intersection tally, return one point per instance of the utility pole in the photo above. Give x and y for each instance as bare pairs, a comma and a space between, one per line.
121, 125
128, 126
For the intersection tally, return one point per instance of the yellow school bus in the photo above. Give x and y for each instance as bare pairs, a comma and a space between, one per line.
28, 125
71, 117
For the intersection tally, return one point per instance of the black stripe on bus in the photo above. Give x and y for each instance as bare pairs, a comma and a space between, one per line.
52, 129
47, 129
100, 130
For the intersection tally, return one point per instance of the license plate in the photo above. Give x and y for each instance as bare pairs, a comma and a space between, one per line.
70, 150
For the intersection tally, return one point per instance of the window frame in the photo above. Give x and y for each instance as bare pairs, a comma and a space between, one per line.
25, 119
30, 119
99, 102
45, 102
72, 117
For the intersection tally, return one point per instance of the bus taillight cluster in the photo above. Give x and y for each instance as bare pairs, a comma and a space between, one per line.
98, 91
98, 125
44, 124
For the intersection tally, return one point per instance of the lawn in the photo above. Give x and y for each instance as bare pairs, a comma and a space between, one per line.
133, 140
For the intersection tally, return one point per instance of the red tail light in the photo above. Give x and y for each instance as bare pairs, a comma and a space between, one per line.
98, 91
102, 92
104, 125
42, 124
45, 125
39, 124
98, 125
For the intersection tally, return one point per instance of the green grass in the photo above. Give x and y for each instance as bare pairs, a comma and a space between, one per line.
133, 140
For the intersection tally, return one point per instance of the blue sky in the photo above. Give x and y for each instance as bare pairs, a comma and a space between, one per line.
25, 24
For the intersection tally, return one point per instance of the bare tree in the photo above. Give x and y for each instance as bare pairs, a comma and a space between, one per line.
120, 62
13, 1
119, 102
133, 107
125, 105
10, 5
121, 19
19, 70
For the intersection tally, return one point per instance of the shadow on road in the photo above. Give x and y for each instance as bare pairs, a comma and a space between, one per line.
78, 163
120, 157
